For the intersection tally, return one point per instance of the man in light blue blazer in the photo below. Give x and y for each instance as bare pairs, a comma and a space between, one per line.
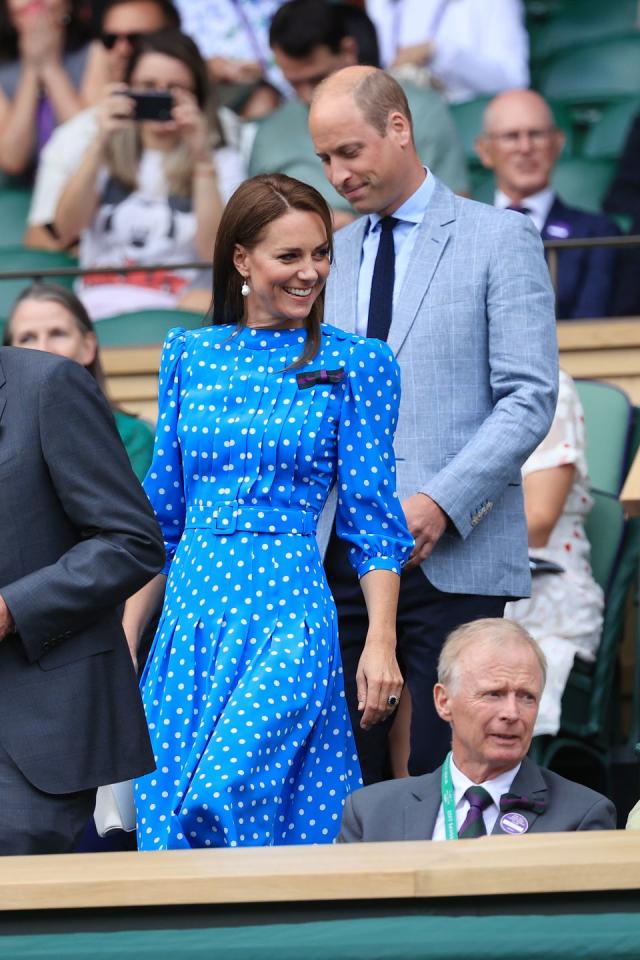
461, 292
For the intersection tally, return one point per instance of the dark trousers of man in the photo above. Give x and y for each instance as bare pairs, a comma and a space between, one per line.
35, 822
426, 616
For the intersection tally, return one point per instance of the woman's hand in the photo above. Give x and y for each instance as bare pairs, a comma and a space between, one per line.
115, 110
378, 677
40, 39
191, 124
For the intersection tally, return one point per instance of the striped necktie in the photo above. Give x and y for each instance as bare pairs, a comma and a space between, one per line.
479, 799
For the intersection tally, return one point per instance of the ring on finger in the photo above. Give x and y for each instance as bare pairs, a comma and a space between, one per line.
393, 701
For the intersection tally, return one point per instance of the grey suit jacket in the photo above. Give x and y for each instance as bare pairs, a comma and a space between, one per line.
78, 536
407, 809
474, 333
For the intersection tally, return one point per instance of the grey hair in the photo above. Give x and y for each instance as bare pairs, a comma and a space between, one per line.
496, 630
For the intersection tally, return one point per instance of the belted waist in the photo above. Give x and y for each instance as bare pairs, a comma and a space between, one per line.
226, 517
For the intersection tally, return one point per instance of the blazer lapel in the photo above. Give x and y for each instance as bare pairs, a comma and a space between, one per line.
528, 783
421, 809
433, 235
346, 289
3, 390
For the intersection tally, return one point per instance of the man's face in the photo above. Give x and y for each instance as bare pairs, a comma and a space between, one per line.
492, 706
305, 73
367, 169
520, 144
120, 26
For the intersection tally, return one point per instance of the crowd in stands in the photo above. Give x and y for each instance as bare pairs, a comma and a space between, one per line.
123, 178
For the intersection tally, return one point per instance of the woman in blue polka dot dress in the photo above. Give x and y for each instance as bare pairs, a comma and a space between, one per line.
259, 415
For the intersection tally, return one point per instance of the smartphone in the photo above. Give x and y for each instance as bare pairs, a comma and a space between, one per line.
152, 105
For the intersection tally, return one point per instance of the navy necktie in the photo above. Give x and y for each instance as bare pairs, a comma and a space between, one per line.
517, 208
384, 269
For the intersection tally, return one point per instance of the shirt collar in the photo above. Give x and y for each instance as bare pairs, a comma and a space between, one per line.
539, 204
496, 787
415, 207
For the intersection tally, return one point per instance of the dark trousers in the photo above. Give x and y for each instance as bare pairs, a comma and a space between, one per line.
426, 616
35, 822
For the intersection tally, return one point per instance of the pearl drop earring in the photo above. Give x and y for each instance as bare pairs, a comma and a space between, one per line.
245, 289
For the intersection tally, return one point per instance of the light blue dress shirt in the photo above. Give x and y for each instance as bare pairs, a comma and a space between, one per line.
410, 215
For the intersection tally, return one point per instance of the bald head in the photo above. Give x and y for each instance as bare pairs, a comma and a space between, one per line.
520, 143
376, 94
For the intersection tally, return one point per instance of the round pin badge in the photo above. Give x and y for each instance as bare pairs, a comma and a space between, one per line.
514, 823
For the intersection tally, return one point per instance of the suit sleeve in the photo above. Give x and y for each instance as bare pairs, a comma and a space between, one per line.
523, 377
350, 828
119, 547
601, 816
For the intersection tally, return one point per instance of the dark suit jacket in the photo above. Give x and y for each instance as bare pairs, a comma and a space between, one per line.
407, 809
586, 277
78, 536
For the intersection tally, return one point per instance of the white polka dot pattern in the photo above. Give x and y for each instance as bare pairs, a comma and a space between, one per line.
243, 687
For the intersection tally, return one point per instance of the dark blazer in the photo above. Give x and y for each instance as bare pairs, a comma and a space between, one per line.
78, 536
407, 809
586, 277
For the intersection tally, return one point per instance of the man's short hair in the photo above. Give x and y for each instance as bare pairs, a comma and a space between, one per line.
493, 629
377, 96
169, 11
298, 27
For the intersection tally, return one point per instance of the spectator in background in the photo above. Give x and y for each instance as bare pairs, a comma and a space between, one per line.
624, 198
123, 21
233, 36
44, 51
311, 39
564, 612
150, 192
48, 317
521, 144
468, 47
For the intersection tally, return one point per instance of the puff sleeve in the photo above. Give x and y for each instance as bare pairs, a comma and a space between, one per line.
369, 514
164, 482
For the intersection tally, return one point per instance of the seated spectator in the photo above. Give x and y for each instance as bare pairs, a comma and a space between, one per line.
490, 678
564, 612
234, 39
623, 198
44, 50
521, 144
311, 39
150, 192
465, 49
48, 317
123, 21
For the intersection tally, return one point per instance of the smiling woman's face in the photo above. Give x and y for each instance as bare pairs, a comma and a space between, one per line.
47, 325
286, 270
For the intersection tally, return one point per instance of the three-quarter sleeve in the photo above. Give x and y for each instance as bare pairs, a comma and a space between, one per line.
164, 482
369, 514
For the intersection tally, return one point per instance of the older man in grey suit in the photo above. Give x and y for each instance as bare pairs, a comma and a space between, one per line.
490, 678
462, 293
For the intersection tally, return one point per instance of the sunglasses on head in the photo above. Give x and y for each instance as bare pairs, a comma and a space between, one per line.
109, 40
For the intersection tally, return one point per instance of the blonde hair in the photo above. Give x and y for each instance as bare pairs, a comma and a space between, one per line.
496, 630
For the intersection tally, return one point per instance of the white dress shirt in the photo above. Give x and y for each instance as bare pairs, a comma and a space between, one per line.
461, 783
538, 204
410, 215
477, 50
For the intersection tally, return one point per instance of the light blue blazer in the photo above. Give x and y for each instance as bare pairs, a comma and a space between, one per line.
475, 336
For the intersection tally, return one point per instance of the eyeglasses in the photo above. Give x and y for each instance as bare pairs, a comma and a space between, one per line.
511, 138
109, 40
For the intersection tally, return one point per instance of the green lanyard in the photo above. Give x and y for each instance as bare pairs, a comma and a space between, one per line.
448, 801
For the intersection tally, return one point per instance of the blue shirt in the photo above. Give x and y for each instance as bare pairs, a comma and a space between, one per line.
410, 214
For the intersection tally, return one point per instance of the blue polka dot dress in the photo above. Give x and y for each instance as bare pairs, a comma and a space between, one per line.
243, 687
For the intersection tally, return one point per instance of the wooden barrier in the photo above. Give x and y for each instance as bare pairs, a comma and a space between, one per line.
589, 349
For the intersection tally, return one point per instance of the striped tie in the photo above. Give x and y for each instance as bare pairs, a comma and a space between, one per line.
473, 826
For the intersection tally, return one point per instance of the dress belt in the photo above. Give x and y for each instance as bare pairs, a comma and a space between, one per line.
226, 517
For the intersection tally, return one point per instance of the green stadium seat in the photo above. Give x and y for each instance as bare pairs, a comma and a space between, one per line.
606, 137
14, 207
607, 416
20, 258
144, 327
578, 22
595, 73
582, 182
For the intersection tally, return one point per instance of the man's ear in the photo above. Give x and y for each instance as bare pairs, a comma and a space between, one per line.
484, 152
442, 702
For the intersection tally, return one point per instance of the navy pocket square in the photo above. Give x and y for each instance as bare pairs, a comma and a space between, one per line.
313, 377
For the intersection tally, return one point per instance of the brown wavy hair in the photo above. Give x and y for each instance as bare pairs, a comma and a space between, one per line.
254, 205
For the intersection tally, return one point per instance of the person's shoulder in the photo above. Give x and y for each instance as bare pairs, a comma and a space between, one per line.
393, 791
583, 222
361, 350
74, 131
291, 114
576, 794
34, 363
